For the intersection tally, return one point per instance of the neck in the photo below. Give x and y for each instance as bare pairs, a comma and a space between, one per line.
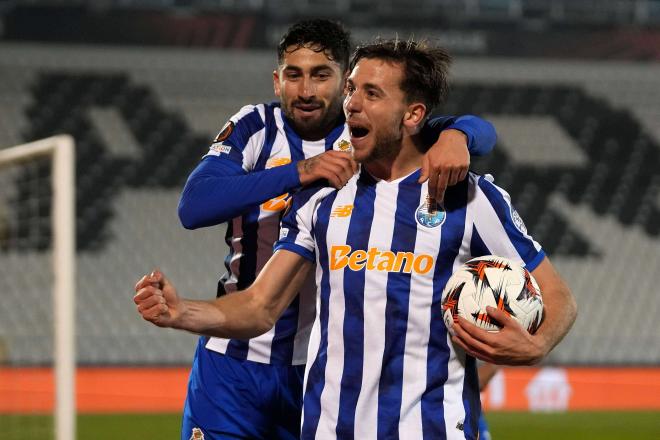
407, 160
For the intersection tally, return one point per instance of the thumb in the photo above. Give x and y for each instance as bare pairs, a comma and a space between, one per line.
169, 291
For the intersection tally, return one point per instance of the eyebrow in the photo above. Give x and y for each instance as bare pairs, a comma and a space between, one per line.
315, 69
367, 86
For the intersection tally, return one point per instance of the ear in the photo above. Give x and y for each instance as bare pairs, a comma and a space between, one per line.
276, 82
414, 115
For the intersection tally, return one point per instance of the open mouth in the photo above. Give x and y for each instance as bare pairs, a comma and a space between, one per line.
358, 131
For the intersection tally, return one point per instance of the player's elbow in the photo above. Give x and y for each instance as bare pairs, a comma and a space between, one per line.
188, 216
571, 307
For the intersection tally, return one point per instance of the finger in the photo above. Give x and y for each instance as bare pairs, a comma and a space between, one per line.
433, 183
473, 352
475, 332
424, 175
500, 316
463, 174
470, 343
145, 293
453, 177
150, 302
346, 172
441, 186
142, 283
155, 313
334, 180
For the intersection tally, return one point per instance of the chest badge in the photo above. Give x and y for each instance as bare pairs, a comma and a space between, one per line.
430, 213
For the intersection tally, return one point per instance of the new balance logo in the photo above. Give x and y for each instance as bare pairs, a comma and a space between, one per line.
342, 211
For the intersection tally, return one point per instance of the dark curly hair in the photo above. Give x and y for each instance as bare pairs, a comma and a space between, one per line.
426, 68
318, 35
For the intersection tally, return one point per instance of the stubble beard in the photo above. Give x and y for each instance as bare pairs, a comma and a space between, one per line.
318, 128
387, 146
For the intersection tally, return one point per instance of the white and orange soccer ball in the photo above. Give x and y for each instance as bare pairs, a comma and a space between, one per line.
497, 282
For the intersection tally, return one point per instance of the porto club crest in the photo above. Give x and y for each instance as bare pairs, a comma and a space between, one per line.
430, 213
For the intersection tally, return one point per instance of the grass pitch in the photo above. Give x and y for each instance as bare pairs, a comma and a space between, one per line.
504, 426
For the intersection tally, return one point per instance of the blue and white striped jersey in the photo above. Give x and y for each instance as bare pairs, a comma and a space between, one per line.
380, 362
259, 138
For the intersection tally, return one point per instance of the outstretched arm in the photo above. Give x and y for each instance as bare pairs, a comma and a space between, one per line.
453, 140
513, 345
241, 315
219, 190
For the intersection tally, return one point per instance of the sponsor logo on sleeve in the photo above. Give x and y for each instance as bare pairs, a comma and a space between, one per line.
518, 221
218, 149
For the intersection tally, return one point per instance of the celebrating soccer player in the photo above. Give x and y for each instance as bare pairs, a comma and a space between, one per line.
381, 362
261, 155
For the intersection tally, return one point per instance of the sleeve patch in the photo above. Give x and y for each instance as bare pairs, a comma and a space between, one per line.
217, 149
225, 132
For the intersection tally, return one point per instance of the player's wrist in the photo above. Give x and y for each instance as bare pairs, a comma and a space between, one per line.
455, 135
540, 348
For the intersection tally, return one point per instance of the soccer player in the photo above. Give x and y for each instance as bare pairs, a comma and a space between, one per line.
381, 363
263, 153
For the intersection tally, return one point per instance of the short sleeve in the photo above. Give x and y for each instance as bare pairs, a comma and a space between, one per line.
499, 228
296, 233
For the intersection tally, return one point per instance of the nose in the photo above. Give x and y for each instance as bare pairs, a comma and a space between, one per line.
308, 88
352, 102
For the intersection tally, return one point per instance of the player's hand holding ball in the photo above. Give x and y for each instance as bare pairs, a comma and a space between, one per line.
157, 300
492, 306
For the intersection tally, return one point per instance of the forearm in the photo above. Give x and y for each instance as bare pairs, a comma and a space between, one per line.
560, 314
236, 315
216, 192
480, 134
253, 311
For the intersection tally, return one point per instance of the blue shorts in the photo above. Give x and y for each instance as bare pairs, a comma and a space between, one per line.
484, 432
229, 398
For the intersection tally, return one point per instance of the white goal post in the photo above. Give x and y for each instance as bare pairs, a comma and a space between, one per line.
62, 151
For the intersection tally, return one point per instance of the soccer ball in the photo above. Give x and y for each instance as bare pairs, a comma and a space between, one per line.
496, 282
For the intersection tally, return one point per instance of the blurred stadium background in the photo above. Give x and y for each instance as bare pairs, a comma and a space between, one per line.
572, 86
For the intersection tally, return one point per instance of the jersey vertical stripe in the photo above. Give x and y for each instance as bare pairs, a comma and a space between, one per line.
316, 370
261, 139
374, 336
399, 297
351, 379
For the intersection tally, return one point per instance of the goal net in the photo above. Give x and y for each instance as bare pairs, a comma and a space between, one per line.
37, 284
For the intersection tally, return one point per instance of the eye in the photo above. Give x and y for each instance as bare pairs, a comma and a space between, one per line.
350, 88
323, 76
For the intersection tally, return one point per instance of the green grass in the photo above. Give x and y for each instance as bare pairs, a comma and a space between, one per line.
575, 425
504, 426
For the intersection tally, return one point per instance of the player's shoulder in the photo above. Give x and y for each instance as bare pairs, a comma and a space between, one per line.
313, 193
481, 181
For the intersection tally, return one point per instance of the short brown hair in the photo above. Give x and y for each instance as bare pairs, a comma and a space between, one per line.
425, 68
